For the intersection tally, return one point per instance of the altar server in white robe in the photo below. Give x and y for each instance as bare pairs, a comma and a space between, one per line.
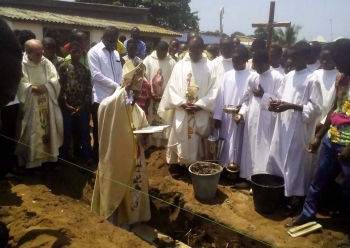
275, 60
313, 62
299, 110
223, 63
262, 86
327, 77
230, 92
190, 95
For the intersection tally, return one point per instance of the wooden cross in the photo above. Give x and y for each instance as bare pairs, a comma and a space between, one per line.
270, 25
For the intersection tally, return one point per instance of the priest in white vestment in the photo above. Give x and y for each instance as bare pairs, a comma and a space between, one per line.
230, 92
42, 124
299, 110
121, 187
159, 66
190, 97
262, 86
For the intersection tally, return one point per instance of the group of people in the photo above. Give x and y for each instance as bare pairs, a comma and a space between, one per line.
273, 108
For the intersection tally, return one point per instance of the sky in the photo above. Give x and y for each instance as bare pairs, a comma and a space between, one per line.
313, 15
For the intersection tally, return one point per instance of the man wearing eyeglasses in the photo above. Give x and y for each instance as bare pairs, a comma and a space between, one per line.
106, 72
42, 125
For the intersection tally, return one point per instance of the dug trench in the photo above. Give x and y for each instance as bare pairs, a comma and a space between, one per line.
50, 208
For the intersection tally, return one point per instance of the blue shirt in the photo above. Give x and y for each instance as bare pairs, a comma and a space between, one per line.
141, 48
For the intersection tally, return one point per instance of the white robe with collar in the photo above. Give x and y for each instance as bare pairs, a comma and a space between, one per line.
184, 147
293, 132
259, 121
231, 92
280, 70
222, 66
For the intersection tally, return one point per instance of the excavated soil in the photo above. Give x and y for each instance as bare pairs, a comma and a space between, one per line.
51, 208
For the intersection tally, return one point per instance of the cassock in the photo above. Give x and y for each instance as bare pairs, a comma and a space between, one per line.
193, 82
157, 74
293, 132
259, 121
314, 67
222, 66
279, 69
230, 92
327, 80
42, 124
122, 177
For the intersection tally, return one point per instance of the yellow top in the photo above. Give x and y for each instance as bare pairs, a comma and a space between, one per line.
120, 48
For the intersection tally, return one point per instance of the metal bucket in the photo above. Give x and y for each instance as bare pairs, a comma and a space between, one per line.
205, 185
213, 149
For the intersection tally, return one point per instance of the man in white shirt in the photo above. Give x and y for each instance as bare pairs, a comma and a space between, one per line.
106, 74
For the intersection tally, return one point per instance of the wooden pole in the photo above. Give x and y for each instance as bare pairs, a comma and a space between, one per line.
270, 27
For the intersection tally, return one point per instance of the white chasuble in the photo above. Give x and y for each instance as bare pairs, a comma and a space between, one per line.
42, 124
193, 82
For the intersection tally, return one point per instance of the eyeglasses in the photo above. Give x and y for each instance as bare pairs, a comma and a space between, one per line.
38, 54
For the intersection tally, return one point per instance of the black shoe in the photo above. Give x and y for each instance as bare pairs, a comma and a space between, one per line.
243, 184
293, 205
298, 221
177, 171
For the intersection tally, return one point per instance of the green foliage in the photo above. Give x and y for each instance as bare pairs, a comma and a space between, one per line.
289, 36
237, 33
172, 14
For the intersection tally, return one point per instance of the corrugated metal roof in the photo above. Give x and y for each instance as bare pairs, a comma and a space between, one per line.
42, 16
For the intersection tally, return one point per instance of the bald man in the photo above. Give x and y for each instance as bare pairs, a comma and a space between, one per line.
190, 36
186, 105
42, 124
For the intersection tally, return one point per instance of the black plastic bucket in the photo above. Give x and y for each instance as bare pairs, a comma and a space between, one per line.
268, 192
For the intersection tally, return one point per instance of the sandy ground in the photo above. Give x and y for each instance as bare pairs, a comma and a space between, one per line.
50, 208
39, 216
235, 210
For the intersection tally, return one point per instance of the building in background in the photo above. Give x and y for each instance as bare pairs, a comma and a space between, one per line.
38, 15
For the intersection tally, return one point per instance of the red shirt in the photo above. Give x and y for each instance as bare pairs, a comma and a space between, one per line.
144, 96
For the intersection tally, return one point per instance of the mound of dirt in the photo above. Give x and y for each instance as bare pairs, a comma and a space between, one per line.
48, 210
228, 220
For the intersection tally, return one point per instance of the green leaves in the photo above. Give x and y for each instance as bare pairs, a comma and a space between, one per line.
171, 14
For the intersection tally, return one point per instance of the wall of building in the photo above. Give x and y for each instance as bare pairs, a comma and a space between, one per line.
36, 28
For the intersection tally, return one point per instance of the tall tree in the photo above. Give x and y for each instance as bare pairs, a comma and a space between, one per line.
172, 14
289, 36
